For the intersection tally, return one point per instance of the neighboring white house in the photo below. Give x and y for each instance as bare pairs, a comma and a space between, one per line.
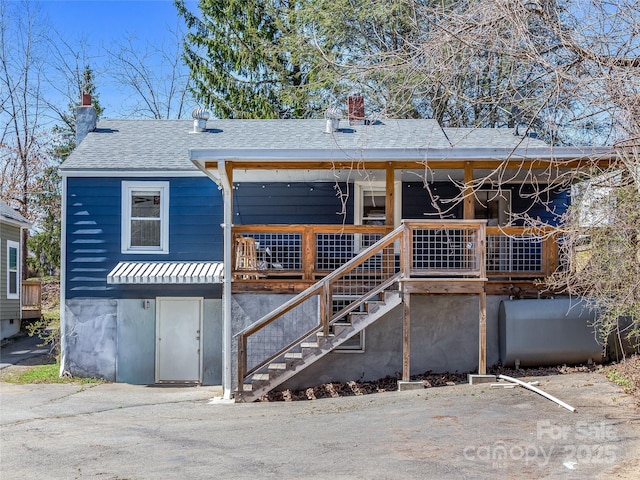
11, 225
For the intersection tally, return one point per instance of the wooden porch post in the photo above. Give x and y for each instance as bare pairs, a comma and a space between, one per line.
388, 264
482, 349
390, 178
468, 191
406, 336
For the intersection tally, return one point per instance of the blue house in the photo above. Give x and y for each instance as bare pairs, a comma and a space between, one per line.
262, 254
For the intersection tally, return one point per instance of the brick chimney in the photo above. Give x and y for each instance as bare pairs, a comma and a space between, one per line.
355, 104
86, 118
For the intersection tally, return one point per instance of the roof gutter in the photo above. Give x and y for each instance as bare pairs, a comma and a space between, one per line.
200, 155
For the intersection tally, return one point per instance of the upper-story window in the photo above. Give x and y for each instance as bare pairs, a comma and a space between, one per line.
145, 217
13, 269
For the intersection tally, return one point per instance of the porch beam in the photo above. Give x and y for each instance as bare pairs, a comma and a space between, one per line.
434, 164
444, 286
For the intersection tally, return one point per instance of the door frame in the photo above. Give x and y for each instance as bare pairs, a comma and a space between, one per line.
200, 301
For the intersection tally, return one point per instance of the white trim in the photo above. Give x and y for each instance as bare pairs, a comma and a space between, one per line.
163, 189
13, 245
363, 186
130, 173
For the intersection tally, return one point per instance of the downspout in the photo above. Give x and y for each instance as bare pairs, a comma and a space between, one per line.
63, 278
227, 195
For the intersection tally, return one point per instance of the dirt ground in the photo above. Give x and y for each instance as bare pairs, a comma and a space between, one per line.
629, 369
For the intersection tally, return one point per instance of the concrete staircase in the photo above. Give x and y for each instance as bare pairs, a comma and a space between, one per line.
316, 345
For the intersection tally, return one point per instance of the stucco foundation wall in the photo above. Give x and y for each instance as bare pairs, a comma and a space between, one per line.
116, 340
444, 338
136, 361
90, 338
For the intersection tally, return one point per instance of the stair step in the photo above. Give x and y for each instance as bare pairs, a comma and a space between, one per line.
322, 335
391, 294
309, 345
260, 377
293, 356
338, 328
277, 366
373, 306
357, 316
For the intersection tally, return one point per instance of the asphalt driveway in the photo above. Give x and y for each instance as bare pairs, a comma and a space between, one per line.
119, 431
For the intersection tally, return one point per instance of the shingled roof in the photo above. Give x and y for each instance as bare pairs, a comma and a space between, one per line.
158, 145
9, 215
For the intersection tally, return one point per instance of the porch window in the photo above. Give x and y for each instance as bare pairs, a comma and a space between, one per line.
370, 203
13, 269
145, 217
493, 206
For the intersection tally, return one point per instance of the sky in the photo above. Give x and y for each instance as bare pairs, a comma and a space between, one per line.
101, 24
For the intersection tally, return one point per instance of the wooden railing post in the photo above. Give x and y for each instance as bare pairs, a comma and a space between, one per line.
405, 256
242, 362
482, 249
550, 254
326, 309
308, 252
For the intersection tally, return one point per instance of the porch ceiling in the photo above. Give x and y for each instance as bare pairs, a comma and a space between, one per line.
405, 175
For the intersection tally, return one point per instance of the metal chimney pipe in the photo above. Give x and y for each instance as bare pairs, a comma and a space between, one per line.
332, 116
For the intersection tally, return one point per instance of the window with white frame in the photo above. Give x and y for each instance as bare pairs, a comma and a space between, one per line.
145, 217
13, 269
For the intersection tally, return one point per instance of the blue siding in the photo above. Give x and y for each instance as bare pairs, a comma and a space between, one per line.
290, 203
418, 204
94, 232
548, 209
196, 212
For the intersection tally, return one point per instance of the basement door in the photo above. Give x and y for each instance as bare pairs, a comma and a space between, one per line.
179, 339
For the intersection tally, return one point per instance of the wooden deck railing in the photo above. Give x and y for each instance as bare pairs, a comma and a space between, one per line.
374, 268
309, 252
31, 299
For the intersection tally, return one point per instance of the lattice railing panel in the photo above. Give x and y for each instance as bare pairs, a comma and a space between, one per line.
514, 253
335, 249
444, 250
278, 251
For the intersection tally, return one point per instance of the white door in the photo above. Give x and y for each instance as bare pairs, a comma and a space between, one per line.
178, 339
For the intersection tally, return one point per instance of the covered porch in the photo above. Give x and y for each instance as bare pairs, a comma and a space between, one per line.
467, 251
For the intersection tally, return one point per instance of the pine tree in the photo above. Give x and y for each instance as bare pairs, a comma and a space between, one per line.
241, 62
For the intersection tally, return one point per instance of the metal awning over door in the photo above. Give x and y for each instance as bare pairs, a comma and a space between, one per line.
140, 273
